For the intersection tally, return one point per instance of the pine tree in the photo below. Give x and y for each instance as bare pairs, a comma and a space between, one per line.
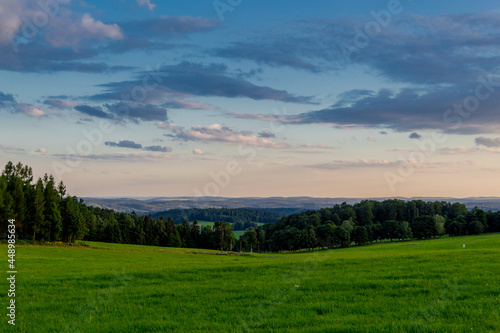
52, 211
72, 220
6, 212
38, 219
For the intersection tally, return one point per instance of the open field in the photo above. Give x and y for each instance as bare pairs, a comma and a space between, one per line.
418, 286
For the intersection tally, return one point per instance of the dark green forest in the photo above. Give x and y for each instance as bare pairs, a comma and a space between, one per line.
44, 212
240, 218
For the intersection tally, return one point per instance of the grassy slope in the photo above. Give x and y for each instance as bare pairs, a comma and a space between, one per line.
434, 286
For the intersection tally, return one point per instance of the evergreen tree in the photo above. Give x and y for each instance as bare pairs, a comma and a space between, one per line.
72, 220
37, 217
6, 211
52, 211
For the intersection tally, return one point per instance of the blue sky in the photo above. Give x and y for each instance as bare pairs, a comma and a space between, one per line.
253, 98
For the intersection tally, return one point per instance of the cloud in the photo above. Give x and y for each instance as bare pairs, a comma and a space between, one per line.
311, 146
197, 151
167, 27
124, 144
218, 133
137, 111
169, 127
10, 148
183, 104
458, 150
60, 104
412, 109
71, 30
371, 138
272, 53
93, 111
124, 111
487, 142
424, 53
10, 20
362, 163
30, 110
41, 150
133, 157
8, 102
277, 118
383, 132
433, 46
68, 39
414, 135
192, 79
348, 164
133, 145
147, 4
266, 134
158, 149
96, 28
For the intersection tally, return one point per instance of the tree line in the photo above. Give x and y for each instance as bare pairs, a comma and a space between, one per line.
370, 221
43, 211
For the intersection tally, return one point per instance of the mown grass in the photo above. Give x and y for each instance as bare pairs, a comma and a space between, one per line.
419, 286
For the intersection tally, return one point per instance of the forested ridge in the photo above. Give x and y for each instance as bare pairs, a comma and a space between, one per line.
371, 221
43, 211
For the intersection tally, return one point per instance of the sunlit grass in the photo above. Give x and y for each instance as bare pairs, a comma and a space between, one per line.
418, 286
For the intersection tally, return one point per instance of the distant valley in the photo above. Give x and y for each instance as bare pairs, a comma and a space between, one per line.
281, 205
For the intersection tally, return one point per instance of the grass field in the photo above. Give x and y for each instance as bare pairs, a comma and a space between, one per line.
419, 286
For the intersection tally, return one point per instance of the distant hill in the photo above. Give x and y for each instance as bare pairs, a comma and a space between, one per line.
230, 215
281, 205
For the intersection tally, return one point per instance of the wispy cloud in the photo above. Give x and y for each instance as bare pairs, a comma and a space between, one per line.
147, 4
8, 103
362, 163
133, 145
124, 144
412, 109
133, 157
60, 104
487, 142
224, 134
318, 146
10, 148
192, 79
137, 111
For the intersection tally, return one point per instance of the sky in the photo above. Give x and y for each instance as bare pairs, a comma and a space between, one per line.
240, 98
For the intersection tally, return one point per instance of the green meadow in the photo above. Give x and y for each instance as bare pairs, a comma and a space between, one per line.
418, 286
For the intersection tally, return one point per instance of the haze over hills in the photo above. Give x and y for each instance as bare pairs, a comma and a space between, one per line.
283, 205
